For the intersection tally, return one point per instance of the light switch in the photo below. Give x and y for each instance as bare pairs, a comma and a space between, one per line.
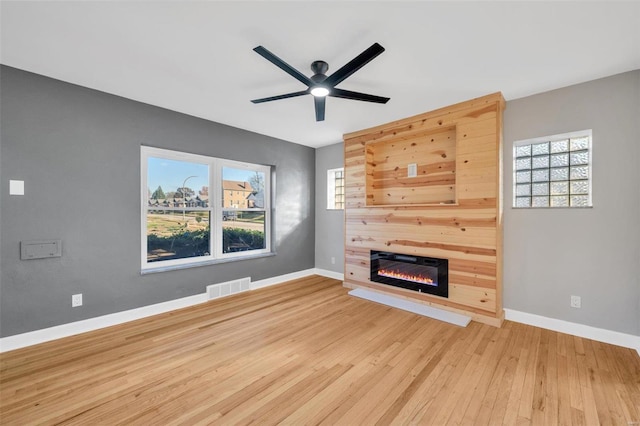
16, 187
412, 170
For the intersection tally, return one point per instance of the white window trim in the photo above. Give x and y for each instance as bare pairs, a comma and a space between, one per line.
215, 209
331, 188
553, 138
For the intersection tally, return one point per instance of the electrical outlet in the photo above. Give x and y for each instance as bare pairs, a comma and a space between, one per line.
76, 300
576, 302
333, 260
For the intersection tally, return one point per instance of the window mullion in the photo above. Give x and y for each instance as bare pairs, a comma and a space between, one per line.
216, 207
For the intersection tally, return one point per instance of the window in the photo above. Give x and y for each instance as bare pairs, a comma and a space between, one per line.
553, 171
335, 189
188, 216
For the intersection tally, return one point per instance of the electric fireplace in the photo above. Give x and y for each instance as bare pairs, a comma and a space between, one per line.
417, 273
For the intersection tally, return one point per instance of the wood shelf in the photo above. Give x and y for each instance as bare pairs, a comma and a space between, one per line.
374, 206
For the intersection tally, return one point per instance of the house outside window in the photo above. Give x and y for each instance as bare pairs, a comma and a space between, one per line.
553, 171
335, 189
183, 224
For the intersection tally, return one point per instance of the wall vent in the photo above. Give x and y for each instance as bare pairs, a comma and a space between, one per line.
245, 284
215, 291
225, 289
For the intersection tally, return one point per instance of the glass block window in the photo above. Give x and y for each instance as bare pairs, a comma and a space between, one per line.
553, 171
335, 189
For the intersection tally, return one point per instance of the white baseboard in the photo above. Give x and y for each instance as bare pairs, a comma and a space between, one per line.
329, 274
575, 329
52, 333
64, 330
281, 278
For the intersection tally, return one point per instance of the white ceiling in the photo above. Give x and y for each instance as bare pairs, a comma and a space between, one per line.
197, 58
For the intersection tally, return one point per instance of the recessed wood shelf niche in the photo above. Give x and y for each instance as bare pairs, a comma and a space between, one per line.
430, 186
417, 170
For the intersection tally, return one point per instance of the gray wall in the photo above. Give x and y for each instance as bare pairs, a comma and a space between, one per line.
594, 253
78, 151
329, 223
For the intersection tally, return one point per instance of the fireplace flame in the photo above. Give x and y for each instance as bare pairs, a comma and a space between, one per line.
407, 277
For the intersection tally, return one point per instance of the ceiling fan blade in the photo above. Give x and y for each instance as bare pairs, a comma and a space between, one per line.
283, 65
320, 104
285, 96
356, 96
354, 65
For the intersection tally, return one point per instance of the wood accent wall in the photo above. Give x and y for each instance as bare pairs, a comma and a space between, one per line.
451, 210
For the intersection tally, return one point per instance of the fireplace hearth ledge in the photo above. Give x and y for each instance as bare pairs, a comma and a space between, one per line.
416, 308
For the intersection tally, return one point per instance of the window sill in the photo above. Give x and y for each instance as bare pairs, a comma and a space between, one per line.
205, 263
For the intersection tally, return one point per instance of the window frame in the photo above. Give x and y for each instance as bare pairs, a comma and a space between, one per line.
221, 164
554, 138
331, 189
215, 208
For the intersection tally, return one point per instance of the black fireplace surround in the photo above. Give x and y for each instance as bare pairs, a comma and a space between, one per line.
422, 274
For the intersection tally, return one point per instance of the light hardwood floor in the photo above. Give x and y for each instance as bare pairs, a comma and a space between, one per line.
305, 352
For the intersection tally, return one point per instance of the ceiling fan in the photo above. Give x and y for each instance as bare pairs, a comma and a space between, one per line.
319, 84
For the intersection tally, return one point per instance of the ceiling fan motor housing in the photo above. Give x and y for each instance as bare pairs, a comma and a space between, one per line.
319, 69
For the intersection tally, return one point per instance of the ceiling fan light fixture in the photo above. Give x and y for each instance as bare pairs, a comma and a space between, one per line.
319, 91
